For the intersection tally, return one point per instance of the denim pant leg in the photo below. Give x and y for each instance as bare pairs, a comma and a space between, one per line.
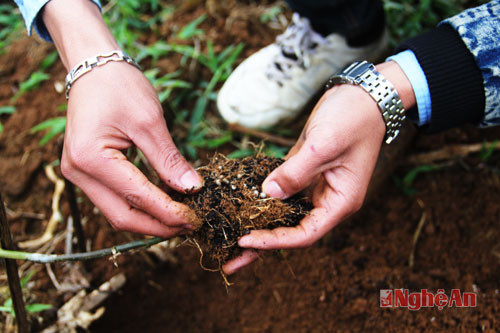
360, 21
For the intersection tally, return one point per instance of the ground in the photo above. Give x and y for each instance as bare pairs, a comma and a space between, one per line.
332, 286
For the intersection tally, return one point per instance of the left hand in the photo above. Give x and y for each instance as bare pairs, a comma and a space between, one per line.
333, 159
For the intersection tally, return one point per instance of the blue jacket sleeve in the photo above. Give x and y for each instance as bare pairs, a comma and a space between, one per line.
461, 62
30, 9
479, 29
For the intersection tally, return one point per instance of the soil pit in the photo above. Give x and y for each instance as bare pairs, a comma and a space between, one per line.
232, 203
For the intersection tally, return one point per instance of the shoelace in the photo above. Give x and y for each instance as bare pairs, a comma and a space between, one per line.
296, 43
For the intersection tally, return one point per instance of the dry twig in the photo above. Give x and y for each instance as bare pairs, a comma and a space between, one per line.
14, 215
76, 313
262, 135
416, 235
450, 152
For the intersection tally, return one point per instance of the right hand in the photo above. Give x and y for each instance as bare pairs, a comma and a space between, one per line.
111, 109
333, 160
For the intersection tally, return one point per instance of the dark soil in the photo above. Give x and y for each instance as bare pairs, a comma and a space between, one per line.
332, 286
232, 203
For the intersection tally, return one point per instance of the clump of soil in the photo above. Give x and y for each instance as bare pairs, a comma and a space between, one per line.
232, 203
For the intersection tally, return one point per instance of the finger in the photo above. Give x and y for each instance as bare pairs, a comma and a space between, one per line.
341, 196
123, 178
298, 171
120, 214
310, 229
159, 148
246, 258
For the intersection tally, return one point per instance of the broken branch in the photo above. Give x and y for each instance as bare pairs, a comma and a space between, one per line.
50, 258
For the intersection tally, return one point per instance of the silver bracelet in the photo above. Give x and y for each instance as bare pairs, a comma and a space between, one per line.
99, 60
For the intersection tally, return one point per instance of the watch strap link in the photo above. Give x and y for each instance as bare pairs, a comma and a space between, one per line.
380, 89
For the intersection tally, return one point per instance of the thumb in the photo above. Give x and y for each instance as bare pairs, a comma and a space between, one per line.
160, 150
297, 173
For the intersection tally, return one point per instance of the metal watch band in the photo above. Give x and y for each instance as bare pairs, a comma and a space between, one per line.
99, 60
363, 73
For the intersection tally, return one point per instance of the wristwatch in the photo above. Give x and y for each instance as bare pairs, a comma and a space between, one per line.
364, 74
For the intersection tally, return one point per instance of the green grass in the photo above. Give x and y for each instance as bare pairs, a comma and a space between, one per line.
408, 18
49, 60
6, 109
406, 183
8, 307
488, 150
32, 83
190, 98
11, 24
270, 14
191, 29
189, 101
55, 127
129, 19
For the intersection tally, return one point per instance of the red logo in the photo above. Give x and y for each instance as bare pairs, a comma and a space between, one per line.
386, 298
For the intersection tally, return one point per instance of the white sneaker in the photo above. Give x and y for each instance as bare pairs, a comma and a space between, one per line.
273, 85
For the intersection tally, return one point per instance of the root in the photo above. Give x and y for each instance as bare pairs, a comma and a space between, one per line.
56, 216
232, 203
201, 257
226, 282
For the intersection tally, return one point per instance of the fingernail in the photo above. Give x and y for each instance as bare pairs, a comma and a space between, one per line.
245, 241
272, 189
188, 226
191, 180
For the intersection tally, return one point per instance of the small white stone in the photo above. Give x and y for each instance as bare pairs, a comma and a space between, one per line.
263, 195
59, 87
220, 167
256, 193
217, 181
245, 185
239, 176
233, 187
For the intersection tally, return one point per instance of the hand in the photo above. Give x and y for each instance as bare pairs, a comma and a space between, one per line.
333, 160
111, 109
